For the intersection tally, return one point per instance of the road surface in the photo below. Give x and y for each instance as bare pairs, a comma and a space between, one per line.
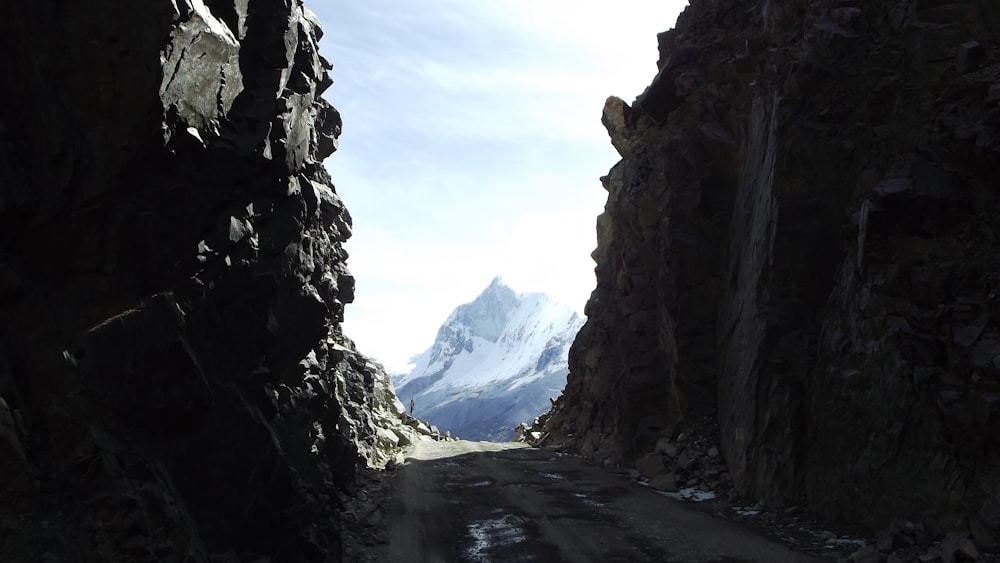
485, 502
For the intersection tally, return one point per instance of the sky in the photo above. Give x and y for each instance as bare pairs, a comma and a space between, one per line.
472, 147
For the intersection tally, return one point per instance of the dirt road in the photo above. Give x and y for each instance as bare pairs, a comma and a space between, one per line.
486, 502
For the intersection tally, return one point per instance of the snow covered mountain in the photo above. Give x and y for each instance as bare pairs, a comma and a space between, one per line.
495, 363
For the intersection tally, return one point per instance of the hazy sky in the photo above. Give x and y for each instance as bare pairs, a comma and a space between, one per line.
472, 147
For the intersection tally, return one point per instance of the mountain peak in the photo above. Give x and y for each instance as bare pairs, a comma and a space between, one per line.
486, 315
495, 362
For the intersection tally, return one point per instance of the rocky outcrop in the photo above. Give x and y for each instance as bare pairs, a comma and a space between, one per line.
174, 382
802, 234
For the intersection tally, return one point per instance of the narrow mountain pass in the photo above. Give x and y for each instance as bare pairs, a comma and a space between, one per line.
480, 501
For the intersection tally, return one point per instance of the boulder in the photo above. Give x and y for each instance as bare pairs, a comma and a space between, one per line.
957, 547
666, 483
650, 466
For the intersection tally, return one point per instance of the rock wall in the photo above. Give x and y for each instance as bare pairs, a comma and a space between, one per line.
174, 383
801, 237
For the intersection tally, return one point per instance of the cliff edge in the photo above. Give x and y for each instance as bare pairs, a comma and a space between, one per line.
174, 382
801, 239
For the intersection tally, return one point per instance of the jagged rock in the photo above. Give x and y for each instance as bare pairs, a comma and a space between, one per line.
666, 483
522, 433
201, 70
172, 278
14, 468
970, 56
618, 120
650, 466
664, 446
993, 95
933, 554
982, 535
683, 461
402, 438
388, 436
801, 236
397, 407
866, 554
958, 547
885, 541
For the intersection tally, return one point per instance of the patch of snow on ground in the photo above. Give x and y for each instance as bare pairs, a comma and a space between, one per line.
492, 533
696, 495
848, 541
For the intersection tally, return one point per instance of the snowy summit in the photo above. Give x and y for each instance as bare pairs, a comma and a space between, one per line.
495, 363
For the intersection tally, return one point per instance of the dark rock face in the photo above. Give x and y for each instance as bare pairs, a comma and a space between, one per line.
174, 383
802, 234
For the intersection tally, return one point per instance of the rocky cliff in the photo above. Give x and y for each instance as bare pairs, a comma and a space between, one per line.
174, 383
802, 238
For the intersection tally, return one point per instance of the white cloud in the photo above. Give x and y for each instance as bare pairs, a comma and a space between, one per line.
472, 147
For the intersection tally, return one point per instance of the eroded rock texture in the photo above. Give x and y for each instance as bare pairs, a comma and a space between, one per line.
174, 383
802, 237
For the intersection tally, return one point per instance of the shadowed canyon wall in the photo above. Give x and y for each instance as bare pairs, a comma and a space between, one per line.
174, 383
801, 239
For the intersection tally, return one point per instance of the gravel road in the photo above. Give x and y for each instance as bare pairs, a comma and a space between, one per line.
489, 502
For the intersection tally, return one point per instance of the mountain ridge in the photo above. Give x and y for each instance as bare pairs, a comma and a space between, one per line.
495, 363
